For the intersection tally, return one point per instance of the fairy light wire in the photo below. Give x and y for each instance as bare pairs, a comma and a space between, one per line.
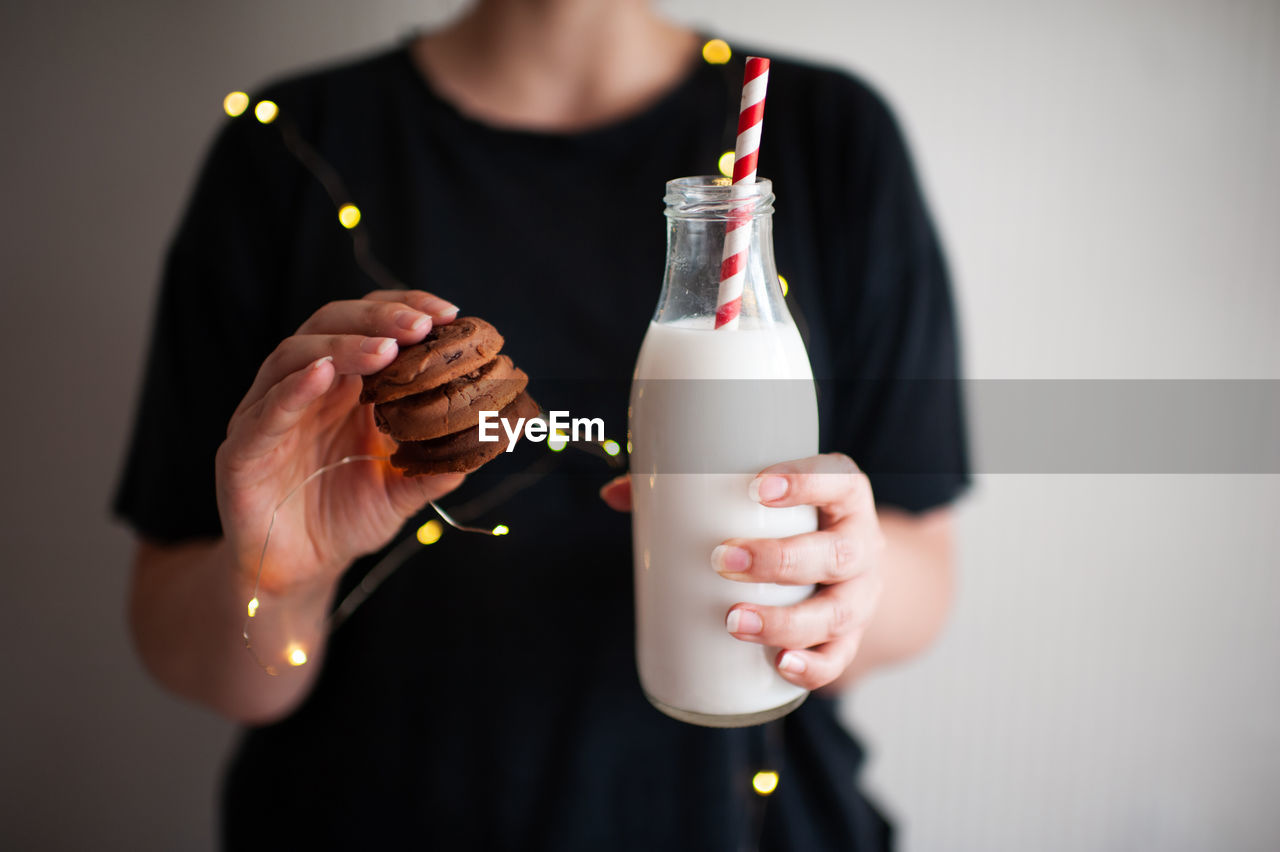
255, 603
369, 583
336, 189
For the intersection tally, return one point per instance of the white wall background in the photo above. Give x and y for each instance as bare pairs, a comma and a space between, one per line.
1107, 179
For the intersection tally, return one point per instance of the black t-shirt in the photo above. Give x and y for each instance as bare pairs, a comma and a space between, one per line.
485, 696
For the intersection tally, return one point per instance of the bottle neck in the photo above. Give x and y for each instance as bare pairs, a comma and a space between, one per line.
700, 212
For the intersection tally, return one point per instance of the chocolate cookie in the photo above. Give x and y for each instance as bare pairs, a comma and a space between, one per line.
453, 406
461, 452
449, 351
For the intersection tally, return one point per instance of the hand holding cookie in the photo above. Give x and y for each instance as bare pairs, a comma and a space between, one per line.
302, 412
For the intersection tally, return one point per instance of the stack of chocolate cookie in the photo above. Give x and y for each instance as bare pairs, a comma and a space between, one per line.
430, 398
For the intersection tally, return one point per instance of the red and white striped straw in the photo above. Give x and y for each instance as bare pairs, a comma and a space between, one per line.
737, 237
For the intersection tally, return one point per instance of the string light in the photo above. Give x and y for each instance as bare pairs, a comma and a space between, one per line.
297, 656
785, 287
266, 111
501, 529
765, 782
716, 51
611, 447
349, 216
628, 446
430, 532
726, 164
253, 607
235, 103
557, 441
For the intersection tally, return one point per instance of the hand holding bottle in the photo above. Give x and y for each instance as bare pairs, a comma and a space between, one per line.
819, 636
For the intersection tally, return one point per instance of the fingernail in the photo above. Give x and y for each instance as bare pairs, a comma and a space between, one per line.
412, 320
792, 662
743, 621
765, 489
728, 559
442, 313
376, 345
315, 365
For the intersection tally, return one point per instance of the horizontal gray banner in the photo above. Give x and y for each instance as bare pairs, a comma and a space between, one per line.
907, 426
1124, 426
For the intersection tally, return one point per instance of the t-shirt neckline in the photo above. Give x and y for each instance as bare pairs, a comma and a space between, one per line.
633, 125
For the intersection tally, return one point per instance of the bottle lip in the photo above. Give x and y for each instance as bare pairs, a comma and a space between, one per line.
716, 198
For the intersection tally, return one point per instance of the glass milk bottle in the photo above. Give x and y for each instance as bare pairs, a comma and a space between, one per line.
709, 409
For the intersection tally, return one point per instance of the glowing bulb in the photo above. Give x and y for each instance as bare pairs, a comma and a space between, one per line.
716, 51
611, 447
349, 215
557, 441
785, 286
726, 164
430, 532
501, 529
628, 446
297, 656
266, 111
235, 103
765, 782
253, 607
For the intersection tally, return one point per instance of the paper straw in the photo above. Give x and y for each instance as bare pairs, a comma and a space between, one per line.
737, 237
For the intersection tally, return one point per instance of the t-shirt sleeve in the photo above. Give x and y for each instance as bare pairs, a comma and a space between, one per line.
898, 406
212, 329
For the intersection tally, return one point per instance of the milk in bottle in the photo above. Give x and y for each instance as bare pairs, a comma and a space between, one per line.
709, 409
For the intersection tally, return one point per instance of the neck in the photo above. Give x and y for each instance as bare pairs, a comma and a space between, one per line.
555, 65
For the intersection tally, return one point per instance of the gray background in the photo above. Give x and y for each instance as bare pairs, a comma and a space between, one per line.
1106, 179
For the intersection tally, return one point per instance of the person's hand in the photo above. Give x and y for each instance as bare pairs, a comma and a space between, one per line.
303, 412
819, 636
